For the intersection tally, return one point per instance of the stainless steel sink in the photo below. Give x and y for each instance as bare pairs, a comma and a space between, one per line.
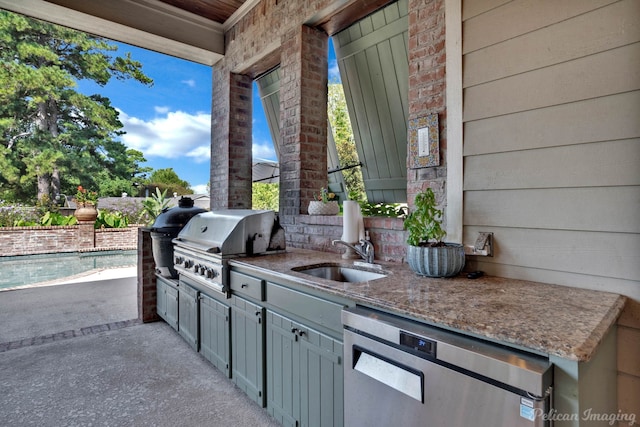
340, 273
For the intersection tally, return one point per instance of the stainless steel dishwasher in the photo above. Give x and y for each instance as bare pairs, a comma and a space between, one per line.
403, 373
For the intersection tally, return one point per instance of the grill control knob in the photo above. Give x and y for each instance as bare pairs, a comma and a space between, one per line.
178, 260
214, 273
209, 273
196, 268
188, 263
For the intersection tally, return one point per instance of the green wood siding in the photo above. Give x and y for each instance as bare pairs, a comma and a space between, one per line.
373, 61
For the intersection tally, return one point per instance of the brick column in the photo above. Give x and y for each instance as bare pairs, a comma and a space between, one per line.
86, 235
231, 142
303, 118
147, 298
427, 87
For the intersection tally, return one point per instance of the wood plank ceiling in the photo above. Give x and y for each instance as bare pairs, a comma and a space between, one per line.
215, 10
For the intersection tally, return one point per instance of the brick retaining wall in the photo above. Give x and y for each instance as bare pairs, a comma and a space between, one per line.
82, 237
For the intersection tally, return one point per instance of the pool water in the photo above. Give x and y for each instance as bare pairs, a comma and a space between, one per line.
29, 269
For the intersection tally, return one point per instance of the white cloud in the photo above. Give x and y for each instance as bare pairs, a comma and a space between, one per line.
161, 110
200, 154
199, 189
172, 136
263, 150
190, 82
334, 72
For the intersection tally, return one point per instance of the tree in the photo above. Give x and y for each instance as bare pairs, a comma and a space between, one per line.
54, 138
265, 196
345, 142
168, 179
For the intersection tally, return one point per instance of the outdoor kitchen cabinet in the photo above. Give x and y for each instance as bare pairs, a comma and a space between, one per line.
304, 364
247, 334
188, 314
248, 348
214, 332
304, 374
167, 301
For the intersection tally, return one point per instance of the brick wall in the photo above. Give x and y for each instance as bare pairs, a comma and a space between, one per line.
44, 240
280, 32
317, 231
147, 295
427, 87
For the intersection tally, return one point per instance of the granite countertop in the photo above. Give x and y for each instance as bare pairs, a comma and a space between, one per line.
549, 319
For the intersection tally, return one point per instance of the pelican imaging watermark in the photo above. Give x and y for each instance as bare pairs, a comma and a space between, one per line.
587, 415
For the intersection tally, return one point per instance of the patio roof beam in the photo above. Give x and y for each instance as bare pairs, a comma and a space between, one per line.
148, 24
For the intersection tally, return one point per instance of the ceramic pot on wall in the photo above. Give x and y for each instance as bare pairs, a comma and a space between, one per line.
86, 212
317, 207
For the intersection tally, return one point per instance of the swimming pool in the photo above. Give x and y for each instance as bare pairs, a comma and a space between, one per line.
29, 269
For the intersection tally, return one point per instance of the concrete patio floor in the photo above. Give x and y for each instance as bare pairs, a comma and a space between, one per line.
74, 355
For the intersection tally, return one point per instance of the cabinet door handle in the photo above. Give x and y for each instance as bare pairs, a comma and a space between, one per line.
244, 285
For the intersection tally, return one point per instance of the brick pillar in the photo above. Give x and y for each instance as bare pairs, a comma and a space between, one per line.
303, 118
86, 235
427, 87
147, 298
231, 142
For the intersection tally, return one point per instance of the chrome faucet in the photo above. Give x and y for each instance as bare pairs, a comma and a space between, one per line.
364, 249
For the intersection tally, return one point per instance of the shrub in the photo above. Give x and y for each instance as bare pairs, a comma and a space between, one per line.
111, 219
11, 214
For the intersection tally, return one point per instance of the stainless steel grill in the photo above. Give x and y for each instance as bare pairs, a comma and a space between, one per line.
210, 239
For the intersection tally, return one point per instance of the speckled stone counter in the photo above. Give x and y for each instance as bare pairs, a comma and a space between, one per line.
549, 319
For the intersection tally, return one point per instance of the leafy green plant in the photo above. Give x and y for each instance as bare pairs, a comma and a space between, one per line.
424, 223
49, 219
389, 210
154, 205
56, 218
111, 219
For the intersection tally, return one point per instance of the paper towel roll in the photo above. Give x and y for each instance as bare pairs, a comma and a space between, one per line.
352, 222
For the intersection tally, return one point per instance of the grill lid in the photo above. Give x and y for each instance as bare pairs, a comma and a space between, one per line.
229, 232
171, 220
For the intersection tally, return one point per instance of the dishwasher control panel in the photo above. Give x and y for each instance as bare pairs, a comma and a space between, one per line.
420, 344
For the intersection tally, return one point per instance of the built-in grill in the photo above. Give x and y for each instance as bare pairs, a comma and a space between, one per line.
206, 243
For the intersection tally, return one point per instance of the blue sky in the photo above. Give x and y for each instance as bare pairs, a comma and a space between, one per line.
170, 122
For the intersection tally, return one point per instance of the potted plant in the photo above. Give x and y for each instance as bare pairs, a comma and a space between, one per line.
86, 205
427, 254
325, 203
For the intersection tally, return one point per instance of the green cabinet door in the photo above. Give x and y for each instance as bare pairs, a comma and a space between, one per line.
188, 314
304, 374
215, 345
248, 348
167, 301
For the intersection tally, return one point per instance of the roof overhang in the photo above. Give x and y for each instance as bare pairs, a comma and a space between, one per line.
149, 24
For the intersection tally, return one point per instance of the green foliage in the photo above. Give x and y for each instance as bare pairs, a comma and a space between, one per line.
345, 142
48, 219
424, 223
153, 206
12, 214
111, 219
56, 218
389, 210
265, 196
54, 138
169, 180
